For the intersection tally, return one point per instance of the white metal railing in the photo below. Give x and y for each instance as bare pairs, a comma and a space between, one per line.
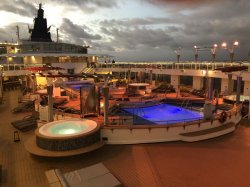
174, 65
16, 67
152, 65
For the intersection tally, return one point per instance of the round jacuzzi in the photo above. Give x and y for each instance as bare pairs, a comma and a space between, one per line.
65, 135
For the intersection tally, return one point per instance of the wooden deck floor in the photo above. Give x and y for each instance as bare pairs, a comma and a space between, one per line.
224, 161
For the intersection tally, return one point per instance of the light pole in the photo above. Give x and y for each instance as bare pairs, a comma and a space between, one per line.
196, 48
178, 54
213, 52
231, 50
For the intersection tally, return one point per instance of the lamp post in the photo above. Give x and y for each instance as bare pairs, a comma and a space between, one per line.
231, 50
213, 52
196, 48
178, 54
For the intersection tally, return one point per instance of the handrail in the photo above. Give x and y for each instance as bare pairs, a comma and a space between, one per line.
151, 65
173, 65
15, 67
87, 69
71, 91
62, 111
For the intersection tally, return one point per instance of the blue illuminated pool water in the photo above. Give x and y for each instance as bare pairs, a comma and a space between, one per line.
76, 86
164, 114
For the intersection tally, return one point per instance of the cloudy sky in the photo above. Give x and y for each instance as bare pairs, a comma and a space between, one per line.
139, 30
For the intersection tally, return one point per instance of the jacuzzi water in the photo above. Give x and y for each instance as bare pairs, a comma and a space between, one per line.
164, 114
64, 128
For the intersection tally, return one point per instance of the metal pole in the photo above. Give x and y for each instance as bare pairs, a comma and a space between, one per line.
50, 102
239, 79
105, 91
196, 57
178, 58
232, 57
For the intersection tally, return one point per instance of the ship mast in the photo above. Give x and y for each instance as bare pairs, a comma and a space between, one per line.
17, 33
57, 35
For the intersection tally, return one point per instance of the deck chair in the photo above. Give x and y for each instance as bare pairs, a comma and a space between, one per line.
93, 176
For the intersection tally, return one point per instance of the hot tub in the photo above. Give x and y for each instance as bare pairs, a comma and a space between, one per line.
65, 135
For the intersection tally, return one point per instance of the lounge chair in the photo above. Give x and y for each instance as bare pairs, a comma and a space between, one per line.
27, 123
93, 176
24, 107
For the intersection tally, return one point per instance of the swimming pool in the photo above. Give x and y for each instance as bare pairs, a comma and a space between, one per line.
163, 114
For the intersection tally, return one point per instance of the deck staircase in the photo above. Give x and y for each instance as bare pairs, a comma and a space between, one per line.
208, 133
88, 70
71, 92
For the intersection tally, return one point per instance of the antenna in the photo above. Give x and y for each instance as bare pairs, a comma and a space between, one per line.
17, 33
29, 29
57, 35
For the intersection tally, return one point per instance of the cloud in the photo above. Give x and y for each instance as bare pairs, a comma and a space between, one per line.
181, 2
20, 7
9, 33
4, 35
130, 39
213, 22
87, 6
175, 23
76, 33
136, 22
96, 3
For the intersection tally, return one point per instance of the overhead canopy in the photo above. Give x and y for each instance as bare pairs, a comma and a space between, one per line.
53, 55
232, 68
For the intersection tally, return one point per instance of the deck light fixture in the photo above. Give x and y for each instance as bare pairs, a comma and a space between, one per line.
213, 52
230, 49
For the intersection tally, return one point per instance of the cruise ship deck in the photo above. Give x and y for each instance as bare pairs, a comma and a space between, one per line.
222, 161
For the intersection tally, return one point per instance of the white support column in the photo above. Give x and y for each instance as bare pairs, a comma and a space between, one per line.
230, 84
210, 88
246, 88
224, 86
175, 81
197, 83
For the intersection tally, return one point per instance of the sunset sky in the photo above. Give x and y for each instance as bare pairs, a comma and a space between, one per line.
140, 30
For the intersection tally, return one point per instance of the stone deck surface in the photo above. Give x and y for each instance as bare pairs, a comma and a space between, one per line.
219, 162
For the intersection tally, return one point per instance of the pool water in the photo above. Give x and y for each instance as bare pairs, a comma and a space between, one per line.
66, 128
164, 114
76, 86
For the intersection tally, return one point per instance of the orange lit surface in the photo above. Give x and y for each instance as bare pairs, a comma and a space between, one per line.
222, 161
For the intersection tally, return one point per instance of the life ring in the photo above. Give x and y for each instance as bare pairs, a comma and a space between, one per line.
223, 117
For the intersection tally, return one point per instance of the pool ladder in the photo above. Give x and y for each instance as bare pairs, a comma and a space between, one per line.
139, 111
185, 104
